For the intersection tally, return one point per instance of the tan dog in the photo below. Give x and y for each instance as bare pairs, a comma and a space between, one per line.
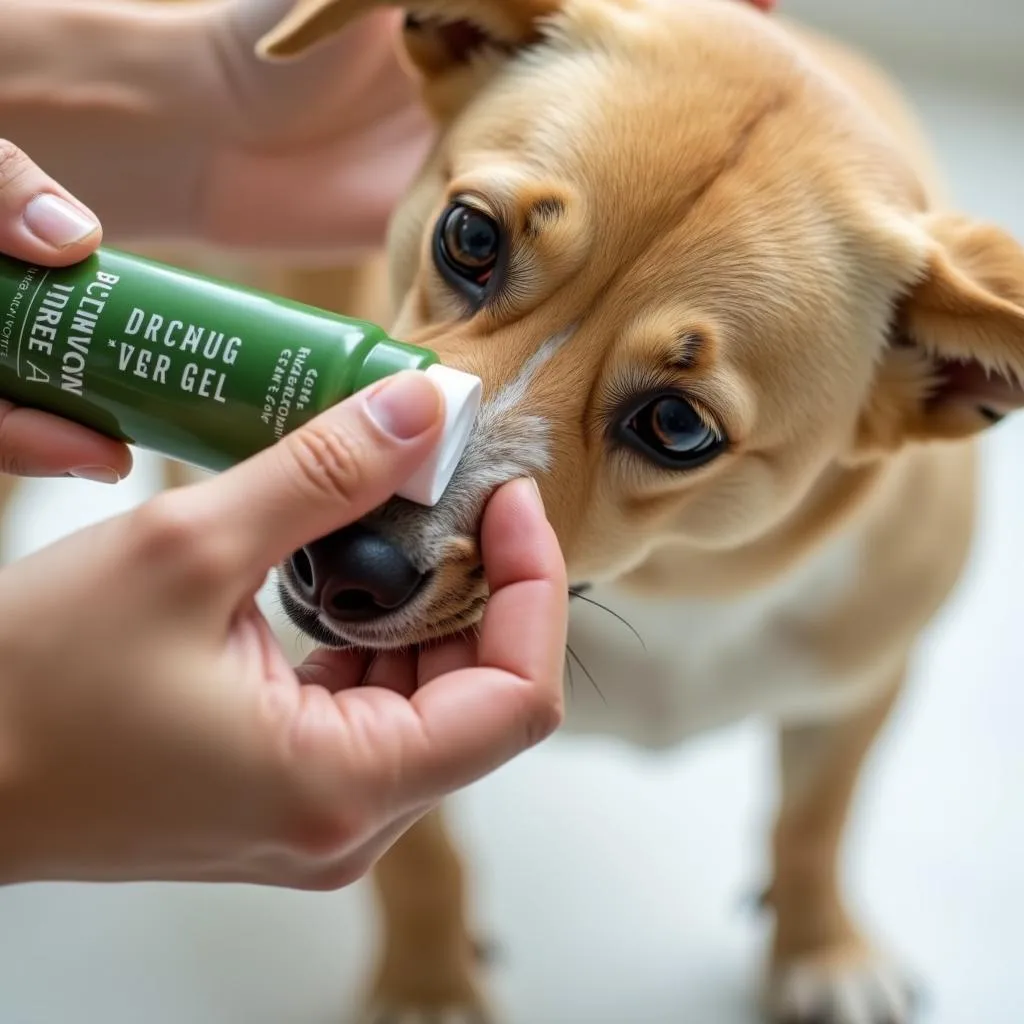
702, 263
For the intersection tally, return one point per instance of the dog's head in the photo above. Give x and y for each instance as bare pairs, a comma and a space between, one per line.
694, 274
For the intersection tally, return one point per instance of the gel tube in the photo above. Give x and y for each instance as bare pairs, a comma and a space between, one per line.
197, 370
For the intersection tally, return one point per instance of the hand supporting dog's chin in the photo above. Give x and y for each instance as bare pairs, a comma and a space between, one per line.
423, 620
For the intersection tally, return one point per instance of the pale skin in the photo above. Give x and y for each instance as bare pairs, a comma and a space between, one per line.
301, 161
150, 725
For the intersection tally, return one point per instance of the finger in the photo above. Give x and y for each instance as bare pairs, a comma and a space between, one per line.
395, 671
34, 443
335, 670
41, 222
322, 476
448, 656
526, 575
358, 185
475, 719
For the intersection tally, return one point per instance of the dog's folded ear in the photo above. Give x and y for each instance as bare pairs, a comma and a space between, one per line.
956, 362
439, 33
308, 23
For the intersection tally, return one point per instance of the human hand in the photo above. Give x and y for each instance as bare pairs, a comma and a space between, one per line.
151, 727
164, 120
336, 137
43, 223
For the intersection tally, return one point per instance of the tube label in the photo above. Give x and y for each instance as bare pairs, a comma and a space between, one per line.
198, 370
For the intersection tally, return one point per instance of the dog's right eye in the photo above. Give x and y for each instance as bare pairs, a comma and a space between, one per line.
467, 247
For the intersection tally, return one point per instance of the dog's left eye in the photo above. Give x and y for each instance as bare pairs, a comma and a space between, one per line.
467, 246
669, 430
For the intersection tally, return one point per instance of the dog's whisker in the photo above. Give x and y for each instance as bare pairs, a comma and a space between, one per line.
568, 672
615, 615
586, 672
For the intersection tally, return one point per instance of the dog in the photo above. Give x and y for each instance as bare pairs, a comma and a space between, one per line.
704, 263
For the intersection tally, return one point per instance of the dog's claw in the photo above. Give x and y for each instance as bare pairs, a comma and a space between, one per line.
860, 989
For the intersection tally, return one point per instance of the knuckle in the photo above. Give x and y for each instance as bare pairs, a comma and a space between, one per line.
12, 458
13, 164
172, 528
12, 463
348, 872
545, 713
166, 523
320, 835
335, 876
330, 463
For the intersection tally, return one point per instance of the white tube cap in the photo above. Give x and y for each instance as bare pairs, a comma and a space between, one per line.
462, 393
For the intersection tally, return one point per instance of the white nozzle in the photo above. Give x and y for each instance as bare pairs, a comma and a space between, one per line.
462, 392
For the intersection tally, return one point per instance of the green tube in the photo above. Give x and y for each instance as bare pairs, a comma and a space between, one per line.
195, 369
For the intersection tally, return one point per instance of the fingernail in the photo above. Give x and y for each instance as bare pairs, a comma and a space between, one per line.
57, 222
405, 405
97, 474
530, 491
536, 490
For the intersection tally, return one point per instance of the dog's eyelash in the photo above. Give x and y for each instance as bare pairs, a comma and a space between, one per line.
705, 417
625, 391
636, 381
512, 291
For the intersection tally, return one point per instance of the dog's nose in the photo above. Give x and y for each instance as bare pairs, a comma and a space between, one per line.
355, 575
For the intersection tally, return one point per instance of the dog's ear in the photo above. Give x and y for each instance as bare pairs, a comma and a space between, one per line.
956, 362
439, 34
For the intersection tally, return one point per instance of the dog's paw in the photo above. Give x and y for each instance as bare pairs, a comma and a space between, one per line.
384, 1014
438, 989
853, 986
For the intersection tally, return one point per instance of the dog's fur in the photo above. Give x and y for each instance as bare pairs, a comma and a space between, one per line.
703, 199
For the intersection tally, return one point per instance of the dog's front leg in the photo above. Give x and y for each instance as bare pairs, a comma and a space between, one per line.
428, 967
823, 970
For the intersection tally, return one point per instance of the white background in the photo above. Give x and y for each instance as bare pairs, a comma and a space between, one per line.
616, 882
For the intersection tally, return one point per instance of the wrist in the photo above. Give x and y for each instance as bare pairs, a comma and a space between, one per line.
35, 827
114, 101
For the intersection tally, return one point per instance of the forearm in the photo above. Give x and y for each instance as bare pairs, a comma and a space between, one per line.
13, 834
14, 857
113, 100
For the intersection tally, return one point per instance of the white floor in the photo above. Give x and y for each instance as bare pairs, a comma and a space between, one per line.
616, 884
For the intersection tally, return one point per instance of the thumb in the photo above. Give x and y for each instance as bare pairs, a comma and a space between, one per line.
326, 474
39, 221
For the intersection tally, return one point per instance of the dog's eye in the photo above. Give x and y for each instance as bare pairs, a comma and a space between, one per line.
670, 431
467, 245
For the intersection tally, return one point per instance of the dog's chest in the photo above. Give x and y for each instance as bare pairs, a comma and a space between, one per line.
707, 664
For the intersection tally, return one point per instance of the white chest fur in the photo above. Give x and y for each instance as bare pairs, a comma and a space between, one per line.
708, 664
